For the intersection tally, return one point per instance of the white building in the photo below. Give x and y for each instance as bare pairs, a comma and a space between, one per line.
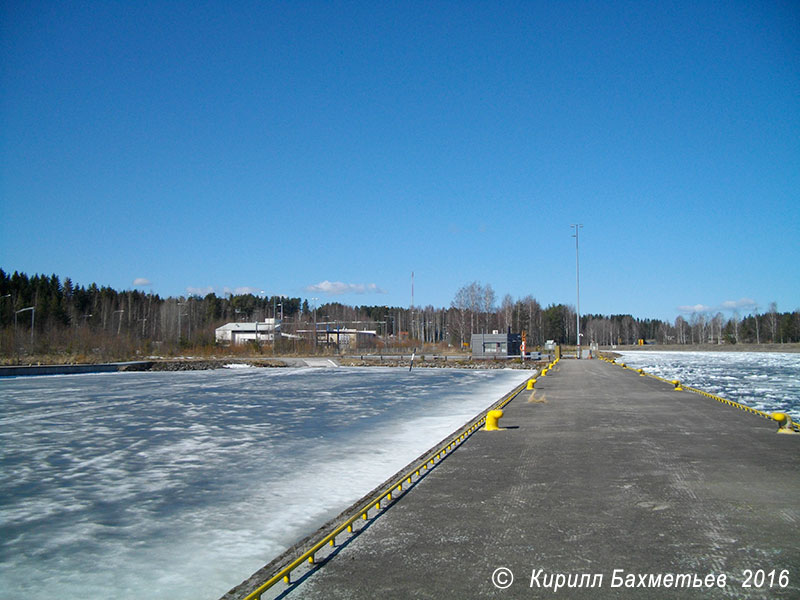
241, 333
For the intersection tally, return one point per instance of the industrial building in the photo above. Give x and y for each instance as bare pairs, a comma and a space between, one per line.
241, 333
328, 335
496, 345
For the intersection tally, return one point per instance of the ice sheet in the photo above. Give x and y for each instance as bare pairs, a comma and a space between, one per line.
180, 485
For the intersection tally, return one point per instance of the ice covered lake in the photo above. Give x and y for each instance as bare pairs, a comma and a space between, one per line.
768, 381
181, 485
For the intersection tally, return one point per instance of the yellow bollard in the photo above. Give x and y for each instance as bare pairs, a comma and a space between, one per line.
531, 383
677, 385
784, 422
544, 372
640, 371
492, 417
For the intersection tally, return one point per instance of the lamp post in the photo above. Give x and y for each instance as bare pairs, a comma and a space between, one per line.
33, 313
179, 320
577, 227
314, 302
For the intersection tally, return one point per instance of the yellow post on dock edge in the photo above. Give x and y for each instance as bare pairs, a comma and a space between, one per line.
492, 417
784, 422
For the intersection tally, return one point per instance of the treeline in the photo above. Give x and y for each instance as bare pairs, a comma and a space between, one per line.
104, 322
701, 328
43, 315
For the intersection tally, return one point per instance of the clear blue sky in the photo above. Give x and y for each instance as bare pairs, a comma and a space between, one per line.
327, 149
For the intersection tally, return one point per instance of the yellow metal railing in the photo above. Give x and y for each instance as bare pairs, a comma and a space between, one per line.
408, 478
680, 387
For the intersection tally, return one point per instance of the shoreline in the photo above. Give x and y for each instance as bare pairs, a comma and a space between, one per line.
777, 348
366, 360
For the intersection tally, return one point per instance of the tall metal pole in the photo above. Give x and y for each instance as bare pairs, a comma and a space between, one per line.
411, 328
577, 227
314, 302
179, 304
33, 313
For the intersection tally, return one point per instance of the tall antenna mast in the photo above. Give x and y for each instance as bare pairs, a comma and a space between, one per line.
412, 312
577, 227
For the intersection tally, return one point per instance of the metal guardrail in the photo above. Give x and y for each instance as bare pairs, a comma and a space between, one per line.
388, 493
533, 356
679, 387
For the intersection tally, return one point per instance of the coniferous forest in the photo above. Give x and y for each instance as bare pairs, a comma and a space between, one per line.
49, 317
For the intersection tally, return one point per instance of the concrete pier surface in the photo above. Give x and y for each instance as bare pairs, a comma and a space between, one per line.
604, 484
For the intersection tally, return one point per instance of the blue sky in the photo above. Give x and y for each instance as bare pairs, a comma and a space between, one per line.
330, 149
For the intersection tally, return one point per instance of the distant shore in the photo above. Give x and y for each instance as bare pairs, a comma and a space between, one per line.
706, 348
67, 364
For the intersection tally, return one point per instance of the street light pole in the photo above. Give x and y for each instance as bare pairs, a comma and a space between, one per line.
179, 304
33, 313
577, 227
314, 302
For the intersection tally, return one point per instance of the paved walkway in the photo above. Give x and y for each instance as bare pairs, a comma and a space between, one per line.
604, 470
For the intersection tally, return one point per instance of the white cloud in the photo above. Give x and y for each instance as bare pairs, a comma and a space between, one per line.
745, 304
694, 308
199, 291
337, 288
742, 303
247, 290
226, 291
141, 281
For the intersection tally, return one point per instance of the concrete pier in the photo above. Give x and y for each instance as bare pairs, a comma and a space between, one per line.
604, 484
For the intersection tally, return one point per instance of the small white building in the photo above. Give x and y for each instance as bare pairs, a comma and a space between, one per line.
241, 333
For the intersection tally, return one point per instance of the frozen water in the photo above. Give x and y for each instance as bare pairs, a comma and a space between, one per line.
180, 485
768, 381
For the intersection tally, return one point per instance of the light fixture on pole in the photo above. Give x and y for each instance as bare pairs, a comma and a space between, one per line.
33, 314
179, 320
314, 303
578, 227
